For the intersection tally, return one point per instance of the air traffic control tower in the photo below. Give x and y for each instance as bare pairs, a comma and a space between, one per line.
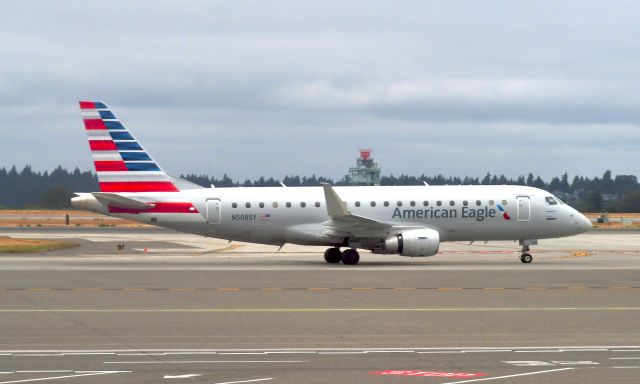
366, 172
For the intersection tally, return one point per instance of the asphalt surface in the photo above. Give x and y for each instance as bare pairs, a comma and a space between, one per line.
178, 308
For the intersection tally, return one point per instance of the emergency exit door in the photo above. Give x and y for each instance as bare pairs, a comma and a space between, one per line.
524, 208
213, 211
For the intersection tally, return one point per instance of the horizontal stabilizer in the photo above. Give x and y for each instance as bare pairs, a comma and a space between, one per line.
116, 200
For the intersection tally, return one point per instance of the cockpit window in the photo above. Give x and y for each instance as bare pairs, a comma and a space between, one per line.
550, 200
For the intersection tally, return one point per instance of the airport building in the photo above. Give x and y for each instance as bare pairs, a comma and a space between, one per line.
366, 171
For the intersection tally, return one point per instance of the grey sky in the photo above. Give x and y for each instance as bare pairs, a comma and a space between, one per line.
256, 88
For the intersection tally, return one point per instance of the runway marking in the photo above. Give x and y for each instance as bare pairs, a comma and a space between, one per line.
77, 374
246, 381
278, 289
624, 358
169, 351
508, 376
318, 310
185, 376
204, 362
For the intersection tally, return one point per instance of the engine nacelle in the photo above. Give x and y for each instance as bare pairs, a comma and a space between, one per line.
414, 243
87, 202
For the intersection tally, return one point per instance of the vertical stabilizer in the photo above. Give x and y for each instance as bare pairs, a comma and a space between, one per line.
121, 163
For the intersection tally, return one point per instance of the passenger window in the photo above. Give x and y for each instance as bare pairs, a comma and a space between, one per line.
412, 203
465, 203
373, 203
504, 202
425, 203
234, 205
275, 205
438, 203
317, 204
288, 204
399, 203
357, 203
478, 203
386, 203
491, 202
452, 203
248, 205
550, 200
303, 204
261, 205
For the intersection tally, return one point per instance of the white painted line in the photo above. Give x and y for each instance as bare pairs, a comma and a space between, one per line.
505, 377
628, 367
625, 350
624, 358
441, 352
186, 376
246, 381
204, 361
487, 350
290, 352
389, 352
60, 377
584, 350
191, 353
191, 350
543, 351
242, 353
87, 353
52, 371
342, 353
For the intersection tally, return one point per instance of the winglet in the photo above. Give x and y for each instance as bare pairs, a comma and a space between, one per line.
335, 205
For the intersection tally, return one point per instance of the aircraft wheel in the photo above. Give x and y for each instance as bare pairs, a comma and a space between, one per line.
526, 258
350, 257
333, 255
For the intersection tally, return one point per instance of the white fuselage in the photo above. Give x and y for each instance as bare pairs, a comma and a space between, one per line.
279, 215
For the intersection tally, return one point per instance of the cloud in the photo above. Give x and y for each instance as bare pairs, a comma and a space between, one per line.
250, 89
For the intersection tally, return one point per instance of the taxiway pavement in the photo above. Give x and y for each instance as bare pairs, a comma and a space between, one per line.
179, 308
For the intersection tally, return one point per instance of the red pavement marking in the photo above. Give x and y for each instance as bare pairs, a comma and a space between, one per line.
429, 373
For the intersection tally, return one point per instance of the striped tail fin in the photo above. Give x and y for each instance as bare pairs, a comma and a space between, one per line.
121, 163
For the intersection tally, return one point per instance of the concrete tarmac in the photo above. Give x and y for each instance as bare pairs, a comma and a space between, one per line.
179, 308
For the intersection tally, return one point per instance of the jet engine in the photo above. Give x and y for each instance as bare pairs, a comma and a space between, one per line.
87, 202
414, 243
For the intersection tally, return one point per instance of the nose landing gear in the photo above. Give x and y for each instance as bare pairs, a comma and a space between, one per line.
526, 257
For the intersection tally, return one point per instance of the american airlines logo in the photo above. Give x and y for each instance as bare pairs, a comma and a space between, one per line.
478, 214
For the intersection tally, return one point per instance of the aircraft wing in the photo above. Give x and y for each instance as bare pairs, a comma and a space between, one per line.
116, 200
345, 224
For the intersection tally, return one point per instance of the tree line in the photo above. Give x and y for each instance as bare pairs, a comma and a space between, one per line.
33, 189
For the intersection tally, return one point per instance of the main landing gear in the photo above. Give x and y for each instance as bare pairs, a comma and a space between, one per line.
526, 257
348, 257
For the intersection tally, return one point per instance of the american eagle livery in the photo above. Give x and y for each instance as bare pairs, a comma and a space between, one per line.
404, 220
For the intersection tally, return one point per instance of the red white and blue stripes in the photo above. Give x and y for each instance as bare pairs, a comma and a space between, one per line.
121, 162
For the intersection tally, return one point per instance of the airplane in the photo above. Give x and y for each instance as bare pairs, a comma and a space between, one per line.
405, 220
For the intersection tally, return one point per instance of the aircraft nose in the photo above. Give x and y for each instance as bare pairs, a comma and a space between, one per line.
583, 223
